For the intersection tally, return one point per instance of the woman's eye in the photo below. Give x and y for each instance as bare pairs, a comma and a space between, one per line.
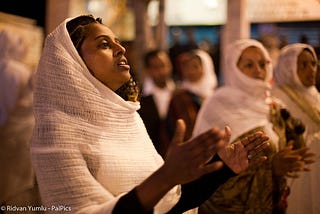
249, 65
105, 45
304, 65
263, 65
314, 64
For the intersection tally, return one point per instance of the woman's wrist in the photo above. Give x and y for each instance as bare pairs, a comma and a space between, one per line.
151, 190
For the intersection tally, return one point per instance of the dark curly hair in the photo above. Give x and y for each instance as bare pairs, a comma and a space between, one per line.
78, 30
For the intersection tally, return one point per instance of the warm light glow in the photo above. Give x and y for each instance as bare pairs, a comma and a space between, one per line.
96, 6
212, 3
200, 12
214, 12
153, 12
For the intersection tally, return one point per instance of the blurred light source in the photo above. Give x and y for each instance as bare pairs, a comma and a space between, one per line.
97, 7
153, 12
211, 3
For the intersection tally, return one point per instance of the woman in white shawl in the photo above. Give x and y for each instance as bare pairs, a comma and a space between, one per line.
198, 82
90, 150
16, 122
244, 104
294, 79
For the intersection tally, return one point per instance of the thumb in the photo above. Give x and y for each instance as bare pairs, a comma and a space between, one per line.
290, 145
179, 132
227, 134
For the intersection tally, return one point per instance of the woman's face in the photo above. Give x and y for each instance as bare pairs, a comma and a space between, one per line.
192, 69
253, 64
104, 56
307, 68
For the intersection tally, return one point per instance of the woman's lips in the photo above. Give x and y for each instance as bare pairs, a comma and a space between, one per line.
123, 63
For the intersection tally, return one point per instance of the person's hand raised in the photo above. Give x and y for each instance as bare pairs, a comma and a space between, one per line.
187, 161
240, 155
289, 162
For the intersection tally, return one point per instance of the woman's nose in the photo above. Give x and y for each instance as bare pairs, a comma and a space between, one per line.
258, 68
119, 50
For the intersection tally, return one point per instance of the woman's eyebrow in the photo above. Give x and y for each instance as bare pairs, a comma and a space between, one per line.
117, 40
103, 36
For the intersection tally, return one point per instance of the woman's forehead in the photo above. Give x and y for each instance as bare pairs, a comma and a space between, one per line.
306, 54
252, 51
97, 29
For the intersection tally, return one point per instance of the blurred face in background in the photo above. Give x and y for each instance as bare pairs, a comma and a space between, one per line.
253, 64
307, 68
160, 69
192, 69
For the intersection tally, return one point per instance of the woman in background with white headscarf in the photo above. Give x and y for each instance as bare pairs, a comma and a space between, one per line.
244, 104
16, 122
198, 82
294, 79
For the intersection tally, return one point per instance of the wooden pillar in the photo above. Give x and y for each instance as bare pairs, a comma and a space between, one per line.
162, 29
237, 26
143, 36
56, 12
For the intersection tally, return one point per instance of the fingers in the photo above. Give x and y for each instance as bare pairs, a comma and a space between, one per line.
254, 140
300, 154
202, 156
212, 137
290, 143
301, 151
308, 161
253, 153
308, 158
297, 166
179, 132
292, 175
205, 146
289, 146
211, 167
258, 160
255, 144
227, 134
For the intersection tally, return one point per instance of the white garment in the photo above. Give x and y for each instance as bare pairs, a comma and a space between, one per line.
89, 146
304, 103
14, 74
16, 118
208, 82
162, 96
242, 103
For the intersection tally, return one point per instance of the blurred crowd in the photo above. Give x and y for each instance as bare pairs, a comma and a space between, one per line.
263, 79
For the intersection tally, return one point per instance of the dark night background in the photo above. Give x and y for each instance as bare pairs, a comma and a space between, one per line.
34, 9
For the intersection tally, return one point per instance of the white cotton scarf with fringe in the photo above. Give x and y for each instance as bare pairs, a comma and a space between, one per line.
89, 145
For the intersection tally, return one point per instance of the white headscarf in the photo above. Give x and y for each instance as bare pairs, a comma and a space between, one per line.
235, 78
89, 146
303, 103
286, 71
242, 102
208, 82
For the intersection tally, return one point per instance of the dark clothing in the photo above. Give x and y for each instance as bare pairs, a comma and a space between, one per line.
129, 203
183, 105
156, 127
193, 193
